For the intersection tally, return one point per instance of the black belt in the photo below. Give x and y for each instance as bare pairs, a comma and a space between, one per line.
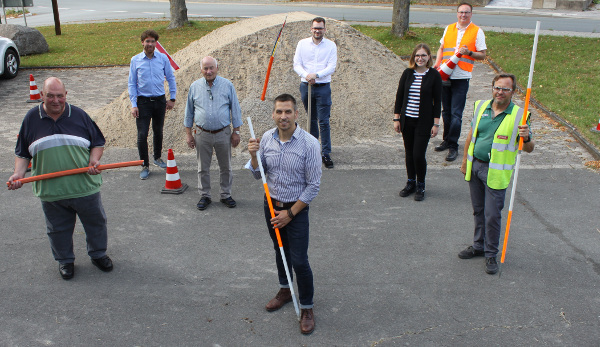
151, 98
284, 205
317, 84
482, 161
212, 131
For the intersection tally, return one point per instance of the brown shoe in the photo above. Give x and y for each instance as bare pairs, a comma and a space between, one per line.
281, 298
307, 321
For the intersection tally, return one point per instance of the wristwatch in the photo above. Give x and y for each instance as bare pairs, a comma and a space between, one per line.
236, 132
172, 100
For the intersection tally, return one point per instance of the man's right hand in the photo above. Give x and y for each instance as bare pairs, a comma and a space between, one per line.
135, 112
463, 168
191, 142
253, 146
14, 183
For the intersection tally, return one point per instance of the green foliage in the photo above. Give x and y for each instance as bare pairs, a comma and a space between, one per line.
15, 13
112, 43
566, 68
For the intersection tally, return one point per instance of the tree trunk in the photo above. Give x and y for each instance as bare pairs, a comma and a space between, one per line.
400, 17
179, 16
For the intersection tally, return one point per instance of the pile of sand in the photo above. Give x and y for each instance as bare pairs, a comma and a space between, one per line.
363, 86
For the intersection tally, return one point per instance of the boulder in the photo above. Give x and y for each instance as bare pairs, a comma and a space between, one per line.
28, 40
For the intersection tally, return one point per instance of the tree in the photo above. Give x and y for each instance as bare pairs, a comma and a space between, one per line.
400, 17
179, 16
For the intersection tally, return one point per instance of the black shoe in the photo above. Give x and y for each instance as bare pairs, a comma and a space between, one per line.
327, 161
420, 192
203, 203
410, 188
491, 265
441, 147
104, 263
452, 154
470, 252
229, 202
67, 271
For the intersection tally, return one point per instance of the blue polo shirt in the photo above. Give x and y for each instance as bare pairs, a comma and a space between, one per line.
60, 145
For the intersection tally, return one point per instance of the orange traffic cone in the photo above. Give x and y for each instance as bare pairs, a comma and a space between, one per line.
597, 128
173, 184
34, 93
446, 68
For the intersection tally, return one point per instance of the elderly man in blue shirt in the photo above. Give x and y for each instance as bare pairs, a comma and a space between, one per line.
212, 108
290, 158
146, 86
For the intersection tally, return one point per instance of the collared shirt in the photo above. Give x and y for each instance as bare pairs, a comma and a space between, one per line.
459, 73
212, 108
487, 128
320, 59
147, 77
293, 168
60, 145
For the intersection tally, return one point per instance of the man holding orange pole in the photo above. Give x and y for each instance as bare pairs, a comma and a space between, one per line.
290, 158
58, 136
489, 158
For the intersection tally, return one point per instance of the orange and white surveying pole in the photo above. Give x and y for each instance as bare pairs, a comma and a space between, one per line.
264, 92
76, 171
523, 122
264, 179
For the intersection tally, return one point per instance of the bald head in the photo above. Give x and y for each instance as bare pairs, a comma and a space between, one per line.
54, 96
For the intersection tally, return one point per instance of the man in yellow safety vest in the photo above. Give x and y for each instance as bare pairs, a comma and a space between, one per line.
488, 162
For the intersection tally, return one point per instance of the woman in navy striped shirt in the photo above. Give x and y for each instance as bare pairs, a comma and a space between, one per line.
417, 116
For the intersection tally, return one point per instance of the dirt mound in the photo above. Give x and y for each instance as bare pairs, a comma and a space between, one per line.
363, 86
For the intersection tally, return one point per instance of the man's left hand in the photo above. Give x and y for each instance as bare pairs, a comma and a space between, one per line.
93, 168
170, 104
524, 132
281, 219
235, 140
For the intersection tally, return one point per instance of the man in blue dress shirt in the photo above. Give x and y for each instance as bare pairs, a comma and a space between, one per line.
212, 106
146, 86
290, 158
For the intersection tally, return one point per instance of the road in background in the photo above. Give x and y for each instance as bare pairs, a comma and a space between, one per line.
86, 10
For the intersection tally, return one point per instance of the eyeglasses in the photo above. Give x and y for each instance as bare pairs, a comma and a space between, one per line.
464, 12
317, 29
210, 94
421, 55
506, 90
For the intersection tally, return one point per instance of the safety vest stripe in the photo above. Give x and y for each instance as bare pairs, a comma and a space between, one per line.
497, 166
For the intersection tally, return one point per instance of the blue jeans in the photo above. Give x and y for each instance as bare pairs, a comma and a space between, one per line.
487, 210
150, 111
320, 113
454, 98
60, 224
294, 238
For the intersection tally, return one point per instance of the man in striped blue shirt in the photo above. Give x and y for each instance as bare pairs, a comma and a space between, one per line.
290, 158
212, 108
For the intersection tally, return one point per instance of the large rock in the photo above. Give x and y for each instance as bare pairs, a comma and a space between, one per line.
28, 40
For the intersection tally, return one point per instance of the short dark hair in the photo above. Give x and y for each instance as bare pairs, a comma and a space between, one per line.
464, 3
149, 33
506, 75
284, 98
318, 20
411, 62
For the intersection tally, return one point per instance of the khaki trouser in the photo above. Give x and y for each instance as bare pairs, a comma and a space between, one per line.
221, 143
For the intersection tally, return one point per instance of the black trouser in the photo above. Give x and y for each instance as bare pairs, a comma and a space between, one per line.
150, 109
415, 146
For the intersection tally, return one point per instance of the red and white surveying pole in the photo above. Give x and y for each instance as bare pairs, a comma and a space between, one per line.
523, 122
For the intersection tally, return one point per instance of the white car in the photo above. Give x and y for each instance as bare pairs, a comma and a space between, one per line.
10, 58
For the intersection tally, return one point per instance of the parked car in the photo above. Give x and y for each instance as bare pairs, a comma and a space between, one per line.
10, 58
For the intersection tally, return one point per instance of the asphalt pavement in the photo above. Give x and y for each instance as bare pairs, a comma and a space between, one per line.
386, 268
